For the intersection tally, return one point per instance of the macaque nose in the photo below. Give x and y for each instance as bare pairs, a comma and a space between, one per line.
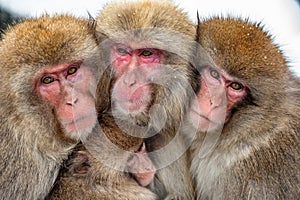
129, 79
72, 102
134, 63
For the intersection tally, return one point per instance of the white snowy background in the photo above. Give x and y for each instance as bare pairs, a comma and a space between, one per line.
280, 17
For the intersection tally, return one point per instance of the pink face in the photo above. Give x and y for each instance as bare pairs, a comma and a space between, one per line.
141, 167
218, 94
70, 88
131, 91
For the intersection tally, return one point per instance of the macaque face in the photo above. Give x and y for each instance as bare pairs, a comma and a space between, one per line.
141, 167
217, 96
132, 90
68, 87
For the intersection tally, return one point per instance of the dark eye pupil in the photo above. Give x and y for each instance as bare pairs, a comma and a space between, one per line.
236, 86
72, 70
121, 51
47, 80
146, 53
215, 74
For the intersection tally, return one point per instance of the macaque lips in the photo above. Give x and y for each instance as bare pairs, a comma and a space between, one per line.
83, 124
131, 99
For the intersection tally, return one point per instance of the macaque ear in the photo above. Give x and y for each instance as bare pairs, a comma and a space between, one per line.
198, 27
92, 23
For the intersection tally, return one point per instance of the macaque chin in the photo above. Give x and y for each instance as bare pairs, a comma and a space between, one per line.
69, 89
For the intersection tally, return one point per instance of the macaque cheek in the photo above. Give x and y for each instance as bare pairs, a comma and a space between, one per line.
119, 63
49, 93
120, 67
234, 96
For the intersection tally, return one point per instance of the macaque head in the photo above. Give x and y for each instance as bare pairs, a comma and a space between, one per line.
53, 67
241, 82
149, 58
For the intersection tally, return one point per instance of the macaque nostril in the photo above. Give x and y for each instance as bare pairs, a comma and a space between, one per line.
129, 81
72, 102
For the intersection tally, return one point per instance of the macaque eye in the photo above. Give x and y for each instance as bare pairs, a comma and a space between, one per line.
146, 53
72, 70
236, 86
121, 50
47, 80
215, 74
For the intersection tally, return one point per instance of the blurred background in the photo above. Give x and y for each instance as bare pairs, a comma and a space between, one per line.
280, 17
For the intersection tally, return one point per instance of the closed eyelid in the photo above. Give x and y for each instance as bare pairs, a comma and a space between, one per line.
120, 46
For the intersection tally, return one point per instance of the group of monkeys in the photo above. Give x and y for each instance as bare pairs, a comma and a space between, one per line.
142, 103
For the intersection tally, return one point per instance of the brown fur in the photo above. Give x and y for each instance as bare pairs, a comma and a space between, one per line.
164, 26
257, 154
33, 143
104, 177
129, 15
109, 184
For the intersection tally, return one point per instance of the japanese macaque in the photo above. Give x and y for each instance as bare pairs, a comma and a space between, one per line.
248, 112
49, 73
85, 176
152, 83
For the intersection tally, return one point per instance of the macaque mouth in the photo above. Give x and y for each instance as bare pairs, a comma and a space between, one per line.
134, 100
139, 102
202, 116
133, 105
142, 174
80, 123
